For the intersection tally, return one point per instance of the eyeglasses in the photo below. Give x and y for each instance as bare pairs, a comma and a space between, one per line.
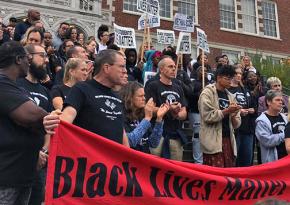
42, 54
227, 78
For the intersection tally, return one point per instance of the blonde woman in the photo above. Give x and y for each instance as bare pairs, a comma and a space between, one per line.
75, 71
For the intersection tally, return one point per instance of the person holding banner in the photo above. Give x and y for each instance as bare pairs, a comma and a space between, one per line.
166, 90
219, 116
92, 104
138, 115
21, 128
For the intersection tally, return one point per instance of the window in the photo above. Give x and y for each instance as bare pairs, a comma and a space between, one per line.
227, 14
270, 18
187, 7
165, 7
87, 5
249, 18
60, 2
130, 5
233, 56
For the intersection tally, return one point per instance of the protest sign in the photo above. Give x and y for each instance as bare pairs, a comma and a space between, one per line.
184, 43
165, 37
183, 23
85, 168
124, 37
148, 6
152, 21
202, 40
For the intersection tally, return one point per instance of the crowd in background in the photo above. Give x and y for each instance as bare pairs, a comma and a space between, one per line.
232, 115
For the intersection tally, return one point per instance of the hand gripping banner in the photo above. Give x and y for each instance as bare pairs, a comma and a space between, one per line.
88, 169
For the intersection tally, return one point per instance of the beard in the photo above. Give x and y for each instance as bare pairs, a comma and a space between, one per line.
38, 71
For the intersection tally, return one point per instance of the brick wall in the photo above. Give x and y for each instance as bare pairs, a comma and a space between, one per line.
209, 20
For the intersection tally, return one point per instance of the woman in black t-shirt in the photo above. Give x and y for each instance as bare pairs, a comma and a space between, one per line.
75, 71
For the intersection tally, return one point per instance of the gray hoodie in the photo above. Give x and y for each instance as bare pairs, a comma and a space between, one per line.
268, 140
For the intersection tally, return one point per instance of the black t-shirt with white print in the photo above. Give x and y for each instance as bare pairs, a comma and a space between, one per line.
39, 94
223, 104
60, 91
162, 93
99, 110
19, 146
278, 125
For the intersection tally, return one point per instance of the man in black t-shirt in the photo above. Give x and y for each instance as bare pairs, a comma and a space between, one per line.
40, 95
20, 128
167, 91
92, 105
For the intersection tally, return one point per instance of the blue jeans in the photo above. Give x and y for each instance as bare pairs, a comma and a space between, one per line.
245, 149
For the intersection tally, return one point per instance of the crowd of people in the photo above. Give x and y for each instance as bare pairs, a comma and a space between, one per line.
94, 84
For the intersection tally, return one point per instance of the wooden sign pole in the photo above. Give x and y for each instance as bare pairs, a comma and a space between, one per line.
203, 77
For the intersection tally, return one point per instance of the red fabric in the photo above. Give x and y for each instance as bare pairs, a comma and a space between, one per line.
84, 168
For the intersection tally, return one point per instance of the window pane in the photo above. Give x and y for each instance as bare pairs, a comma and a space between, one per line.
165, 8
227, 14
130, 5
269, 15
187, 7
249, 15
232, 55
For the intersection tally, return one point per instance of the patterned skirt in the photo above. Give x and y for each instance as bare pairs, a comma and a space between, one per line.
225, 158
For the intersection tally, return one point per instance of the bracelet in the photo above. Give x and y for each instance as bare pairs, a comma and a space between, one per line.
44, 150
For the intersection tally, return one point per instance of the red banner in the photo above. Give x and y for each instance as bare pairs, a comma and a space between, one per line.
85, 168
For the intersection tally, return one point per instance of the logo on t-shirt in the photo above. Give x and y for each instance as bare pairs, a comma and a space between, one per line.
224, 103
110, 104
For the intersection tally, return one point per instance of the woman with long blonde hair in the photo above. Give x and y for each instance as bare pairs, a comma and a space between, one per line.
75, 71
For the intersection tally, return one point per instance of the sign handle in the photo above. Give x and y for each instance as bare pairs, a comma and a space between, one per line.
203, 77
144, 37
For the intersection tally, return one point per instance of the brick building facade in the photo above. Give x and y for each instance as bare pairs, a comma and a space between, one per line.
233, 27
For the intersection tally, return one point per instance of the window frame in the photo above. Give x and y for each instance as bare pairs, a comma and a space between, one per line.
140, 13
276, 22
195, 10
256, 21
236, 18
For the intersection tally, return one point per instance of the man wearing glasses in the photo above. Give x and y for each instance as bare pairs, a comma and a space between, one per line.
38, 61
60, 35
92, 104
21, 128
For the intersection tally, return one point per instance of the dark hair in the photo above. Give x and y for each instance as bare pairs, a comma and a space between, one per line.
36, 30
63, 23
199, 57
105, 56
8, 52
127, 93
102, 29
72, 50
13, 19
225, 70
69, 31
170, 53
114, 47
